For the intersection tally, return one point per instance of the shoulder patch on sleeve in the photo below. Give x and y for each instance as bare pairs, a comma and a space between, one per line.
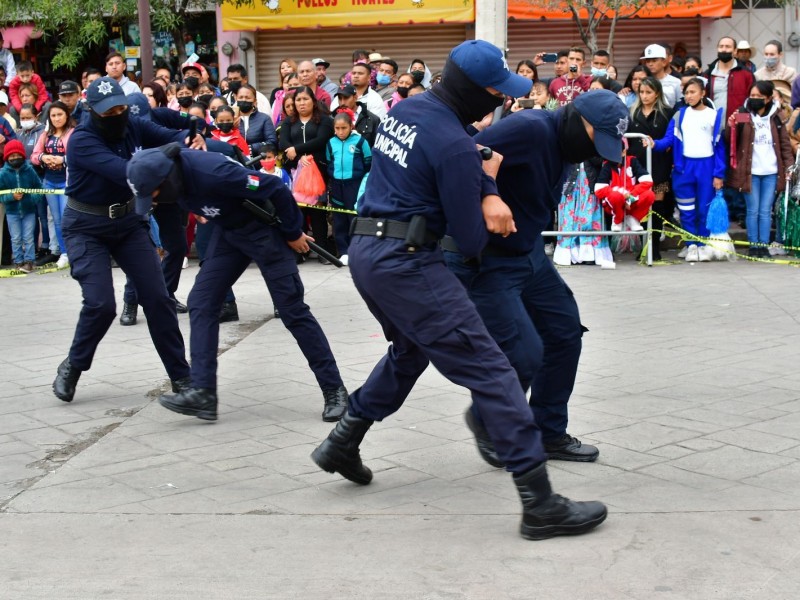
253, 182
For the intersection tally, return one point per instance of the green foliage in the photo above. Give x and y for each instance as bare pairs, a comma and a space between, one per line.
77, 25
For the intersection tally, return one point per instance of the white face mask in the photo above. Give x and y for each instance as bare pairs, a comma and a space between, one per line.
26, 125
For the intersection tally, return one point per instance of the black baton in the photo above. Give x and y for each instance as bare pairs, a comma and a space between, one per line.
270, 219
192, 129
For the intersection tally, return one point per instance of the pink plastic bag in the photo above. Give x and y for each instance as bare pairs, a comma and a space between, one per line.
308, 183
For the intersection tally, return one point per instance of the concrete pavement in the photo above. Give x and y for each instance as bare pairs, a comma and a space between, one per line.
688, 385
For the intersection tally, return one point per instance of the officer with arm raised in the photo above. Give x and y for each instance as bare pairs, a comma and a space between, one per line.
216, 187
427, 176
99, 223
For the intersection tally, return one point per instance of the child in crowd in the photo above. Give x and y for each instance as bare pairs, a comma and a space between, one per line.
51, 154
349, 158
270, 164
698, 150
28, 133
541, 96
25, 74
227, 132
625, 191
17, 173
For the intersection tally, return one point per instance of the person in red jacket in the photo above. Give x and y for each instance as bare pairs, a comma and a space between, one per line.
729, 82
25, 74
227, 131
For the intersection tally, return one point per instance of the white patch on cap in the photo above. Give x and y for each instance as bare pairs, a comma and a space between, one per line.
133, 188
622, 126
210, 211
105, 88
505, 64
134, 108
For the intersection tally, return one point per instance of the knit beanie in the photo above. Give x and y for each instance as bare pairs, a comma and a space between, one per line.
13, 147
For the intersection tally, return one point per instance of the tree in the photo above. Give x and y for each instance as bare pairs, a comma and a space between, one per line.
76, 25
589, 14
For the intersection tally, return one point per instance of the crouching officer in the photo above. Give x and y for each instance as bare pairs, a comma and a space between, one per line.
99, 223
524, 303
424, 310
216, 187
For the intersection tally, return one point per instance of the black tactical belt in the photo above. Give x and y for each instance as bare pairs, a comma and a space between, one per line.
386, 228
448, 244
115, 211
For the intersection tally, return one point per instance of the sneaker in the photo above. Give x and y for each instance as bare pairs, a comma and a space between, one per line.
682, 253
344, 259
63, 261
777, 249
549, 249
704, 253
692, 254
185, 264
633, 223
616, 227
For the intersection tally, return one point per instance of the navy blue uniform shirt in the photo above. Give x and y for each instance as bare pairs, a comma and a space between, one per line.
96, 168
531, 175
424, 163
215, 187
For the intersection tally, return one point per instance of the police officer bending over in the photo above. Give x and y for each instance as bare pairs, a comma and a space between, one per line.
99, 223
424, 310
524, 303
215, 187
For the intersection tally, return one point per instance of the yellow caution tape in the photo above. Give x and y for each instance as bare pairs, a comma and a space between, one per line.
328, 208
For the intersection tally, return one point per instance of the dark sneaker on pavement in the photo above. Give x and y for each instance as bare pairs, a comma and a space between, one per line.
570, 448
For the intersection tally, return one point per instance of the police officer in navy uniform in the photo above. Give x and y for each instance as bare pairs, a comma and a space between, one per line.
524, 303
427, 175
171, 218
215, 187
99, 223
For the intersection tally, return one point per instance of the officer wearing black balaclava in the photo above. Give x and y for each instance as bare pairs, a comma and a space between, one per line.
427, 177
515, 286
99, 224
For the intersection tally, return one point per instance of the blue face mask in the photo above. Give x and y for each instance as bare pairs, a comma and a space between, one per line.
599, 72
771, 62
383, 79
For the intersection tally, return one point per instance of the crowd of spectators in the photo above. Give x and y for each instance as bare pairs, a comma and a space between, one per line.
294, 124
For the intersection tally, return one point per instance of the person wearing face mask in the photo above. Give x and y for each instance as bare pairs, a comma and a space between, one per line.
191, 76
404, 84
99, 224
420, 72
30, 129
728, 82
774, 67
515, 287
256, 127
209, 184
385, 78
427, 176
20, 207
761, 153
237, 79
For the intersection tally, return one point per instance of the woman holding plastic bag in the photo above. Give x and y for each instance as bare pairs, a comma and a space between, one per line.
303, 142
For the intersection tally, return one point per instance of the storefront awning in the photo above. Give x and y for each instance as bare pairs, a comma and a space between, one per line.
285, 14
527, 9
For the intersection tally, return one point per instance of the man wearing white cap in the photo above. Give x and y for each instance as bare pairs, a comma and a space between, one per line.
323, 81
744, 52
655, 59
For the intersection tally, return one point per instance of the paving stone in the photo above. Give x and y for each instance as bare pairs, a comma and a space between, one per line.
730, 462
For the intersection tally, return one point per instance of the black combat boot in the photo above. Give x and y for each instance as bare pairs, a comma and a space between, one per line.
546, 515
178, 385
196, 402
66, 380
483, 441
339, 452
129, 314
229, 312
335, 403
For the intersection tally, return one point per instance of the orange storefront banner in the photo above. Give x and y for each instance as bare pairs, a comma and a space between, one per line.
526, 10
295, 14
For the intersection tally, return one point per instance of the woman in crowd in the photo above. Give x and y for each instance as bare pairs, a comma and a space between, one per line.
404, 83
763, 153
651, 116
630, 92
306, 136
156, 96
184, 97
30, 129
286, 67
290, 81
51, 154
217, 102
256, 127
287, 115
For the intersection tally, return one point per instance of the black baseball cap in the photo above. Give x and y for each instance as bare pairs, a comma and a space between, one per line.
68, 87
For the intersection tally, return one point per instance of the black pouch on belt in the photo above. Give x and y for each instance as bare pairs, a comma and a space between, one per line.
416, 233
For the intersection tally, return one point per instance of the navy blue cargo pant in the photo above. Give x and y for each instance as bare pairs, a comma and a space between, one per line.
228, 255
91, 241
426, 314
531, 313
